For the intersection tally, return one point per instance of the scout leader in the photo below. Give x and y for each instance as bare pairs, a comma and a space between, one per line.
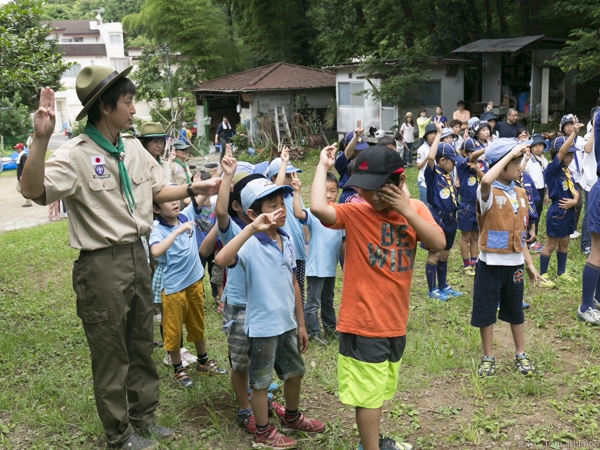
109, 182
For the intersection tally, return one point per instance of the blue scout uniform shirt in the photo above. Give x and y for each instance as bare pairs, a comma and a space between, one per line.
559, 181
469, 180
341, 164
294, 228
323, 249
270, 294
181, 262
532, 195
234, 293
441, 192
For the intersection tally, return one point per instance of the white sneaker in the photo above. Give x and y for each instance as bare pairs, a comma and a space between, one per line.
158, 318
596, 304
575, 235
187, 356
167, 361
591, 316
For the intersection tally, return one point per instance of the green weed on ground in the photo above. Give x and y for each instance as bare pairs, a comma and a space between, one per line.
46, 400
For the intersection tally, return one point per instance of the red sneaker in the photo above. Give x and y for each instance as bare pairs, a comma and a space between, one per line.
303, 424
276, 408
273, 439
246, 421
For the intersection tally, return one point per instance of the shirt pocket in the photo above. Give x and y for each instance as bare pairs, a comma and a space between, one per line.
101, 189
142, 189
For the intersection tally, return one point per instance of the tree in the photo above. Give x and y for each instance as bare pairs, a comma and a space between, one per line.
28, 60
14, 117
582, 50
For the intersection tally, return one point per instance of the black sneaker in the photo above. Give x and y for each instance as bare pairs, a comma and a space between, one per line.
319, 339
135, 442
154, 431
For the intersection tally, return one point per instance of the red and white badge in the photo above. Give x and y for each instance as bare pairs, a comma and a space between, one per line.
97, 160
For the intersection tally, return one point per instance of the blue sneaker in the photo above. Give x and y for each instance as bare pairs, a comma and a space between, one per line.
451, 292
436, 294
525, 305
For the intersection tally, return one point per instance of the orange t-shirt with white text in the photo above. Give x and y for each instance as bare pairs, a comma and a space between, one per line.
380, 252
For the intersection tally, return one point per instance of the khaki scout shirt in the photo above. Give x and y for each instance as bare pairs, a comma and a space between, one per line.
178, 173
87, 178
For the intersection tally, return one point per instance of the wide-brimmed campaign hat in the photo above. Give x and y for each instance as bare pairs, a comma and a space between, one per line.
92, 81
152, 130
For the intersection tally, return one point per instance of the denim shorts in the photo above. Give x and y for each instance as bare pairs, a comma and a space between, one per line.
277, 352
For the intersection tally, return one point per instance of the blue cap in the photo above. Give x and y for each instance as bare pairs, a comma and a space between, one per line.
473, 121
559, 141
567, 118
498, 148
447, 132
487, 116
471, 145
480, 125
447, 150
360, 145
260, 188
260, 168
539, 139
430, 128
276, 165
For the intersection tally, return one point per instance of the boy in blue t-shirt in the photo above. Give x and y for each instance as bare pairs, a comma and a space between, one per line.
469, 172
280, 172
266, 255
173, 245
323, 253
443, 204
560, 218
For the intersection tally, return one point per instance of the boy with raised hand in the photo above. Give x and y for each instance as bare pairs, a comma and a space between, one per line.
560, 218
469, 172
499, 277
443, 204
174, 246
355, 143
266, 255
230, 222
281, 172
323, 252
381, 240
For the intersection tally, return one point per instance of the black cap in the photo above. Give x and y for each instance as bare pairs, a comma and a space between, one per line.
374, 166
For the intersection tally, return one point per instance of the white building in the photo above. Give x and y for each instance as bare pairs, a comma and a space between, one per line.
85, 43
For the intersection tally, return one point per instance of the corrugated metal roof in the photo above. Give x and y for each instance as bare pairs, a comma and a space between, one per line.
509, 45
82, 49
74, 27
279, 75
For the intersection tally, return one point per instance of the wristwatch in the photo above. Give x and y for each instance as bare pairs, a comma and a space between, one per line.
189, 190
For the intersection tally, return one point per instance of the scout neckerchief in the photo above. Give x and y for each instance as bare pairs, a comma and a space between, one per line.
118, 153
569, 180
509, 189
184, 165
159, 161
450, 183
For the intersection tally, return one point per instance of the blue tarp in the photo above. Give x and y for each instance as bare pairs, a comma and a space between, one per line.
12, 164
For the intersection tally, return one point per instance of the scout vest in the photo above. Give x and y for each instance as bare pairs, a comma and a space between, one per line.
500, 228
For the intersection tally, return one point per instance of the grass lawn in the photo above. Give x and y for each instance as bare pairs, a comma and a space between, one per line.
46, 400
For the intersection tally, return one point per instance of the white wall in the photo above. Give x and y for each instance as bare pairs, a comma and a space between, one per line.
492, 73
347, 116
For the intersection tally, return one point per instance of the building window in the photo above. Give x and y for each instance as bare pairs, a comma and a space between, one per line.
72, 71
115, 38
431, 93
75, 39
347, 94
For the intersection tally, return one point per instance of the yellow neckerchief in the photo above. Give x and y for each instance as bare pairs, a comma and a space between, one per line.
569, 180
448, 178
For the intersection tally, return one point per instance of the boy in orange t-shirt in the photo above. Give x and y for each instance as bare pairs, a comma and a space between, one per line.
381, 240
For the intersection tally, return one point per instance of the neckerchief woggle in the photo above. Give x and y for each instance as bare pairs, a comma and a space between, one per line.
118, 153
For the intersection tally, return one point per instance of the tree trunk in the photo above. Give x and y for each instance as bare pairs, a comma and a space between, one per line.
488, 17
524, 12
535, 27
432, 15
502, 18
474, 13
409, 35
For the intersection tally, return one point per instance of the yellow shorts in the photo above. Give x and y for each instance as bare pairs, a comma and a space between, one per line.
183, 307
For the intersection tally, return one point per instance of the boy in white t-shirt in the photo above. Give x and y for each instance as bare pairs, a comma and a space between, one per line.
535, 168
423, 152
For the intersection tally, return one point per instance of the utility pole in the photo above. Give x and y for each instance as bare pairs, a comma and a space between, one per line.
165, 48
